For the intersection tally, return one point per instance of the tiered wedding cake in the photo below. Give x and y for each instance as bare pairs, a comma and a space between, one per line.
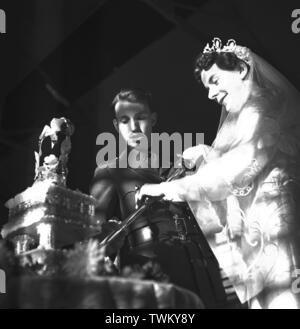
48, 215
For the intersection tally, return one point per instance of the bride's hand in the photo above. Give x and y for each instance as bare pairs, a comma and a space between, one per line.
152, 190
194, 155
167, 190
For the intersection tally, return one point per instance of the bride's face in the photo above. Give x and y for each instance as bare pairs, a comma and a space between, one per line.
227, 88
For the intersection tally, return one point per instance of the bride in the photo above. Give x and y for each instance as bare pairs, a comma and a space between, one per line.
246, 184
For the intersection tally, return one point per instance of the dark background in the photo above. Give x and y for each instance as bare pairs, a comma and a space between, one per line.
69, 58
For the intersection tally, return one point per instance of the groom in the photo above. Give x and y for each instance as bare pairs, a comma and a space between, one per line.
167, 233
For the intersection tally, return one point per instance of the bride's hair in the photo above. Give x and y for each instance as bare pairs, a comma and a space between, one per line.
224, 60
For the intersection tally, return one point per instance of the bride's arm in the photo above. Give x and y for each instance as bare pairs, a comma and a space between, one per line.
235, 169
217, 179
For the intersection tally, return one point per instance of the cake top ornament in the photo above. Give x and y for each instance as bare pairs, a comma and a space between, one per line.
241, 52
54, 149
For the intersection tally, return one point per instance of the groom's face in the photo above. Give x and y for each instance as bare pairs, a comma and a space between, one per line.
134, 123
224, 87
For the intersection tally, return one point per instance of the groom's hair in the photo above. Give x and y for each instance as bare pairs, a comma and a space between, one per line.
224, 60
133, 95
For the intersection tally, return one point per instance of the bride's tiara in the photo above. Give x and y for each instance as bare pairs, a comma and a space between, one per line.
242, 53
